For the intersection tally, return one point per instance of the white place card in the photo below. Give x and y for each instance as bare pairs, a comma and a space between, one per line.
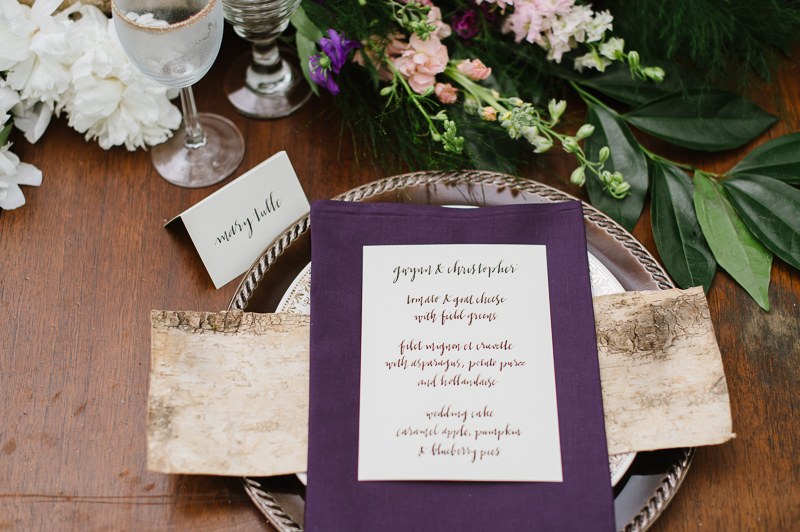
457, 376
232, 227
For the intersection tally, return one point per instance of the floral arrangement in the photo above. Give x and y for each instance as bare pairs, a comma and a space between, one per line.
71, 62
475, 83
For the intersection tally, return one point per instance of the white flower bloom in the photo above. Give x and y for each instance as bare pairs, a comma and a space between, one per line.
611, 47
110, 99
592, 61
12, 174
8, 99
32, 118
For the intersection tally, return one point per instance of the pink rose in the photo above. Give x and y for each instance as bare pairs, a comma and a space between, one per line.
422, 61
445, 92
474, 70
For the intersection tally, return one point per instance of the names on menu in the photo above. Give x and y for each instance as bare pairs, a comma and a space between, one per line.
457, 378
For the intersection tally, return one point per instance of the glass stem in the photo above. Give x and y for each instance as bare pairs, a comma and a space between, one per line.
195, 138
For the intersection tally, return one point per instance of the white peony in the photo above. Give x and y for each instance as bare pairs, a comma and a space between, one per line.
12, 172
110, 99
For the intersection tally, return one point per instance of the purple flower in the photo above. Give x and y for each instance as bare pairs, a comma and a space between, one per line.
320, 70
337, 47
466, 23
331, 60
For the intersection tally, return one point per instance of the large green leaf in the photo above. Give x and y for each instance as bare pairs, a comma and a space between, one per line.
771, 210
677, 232
709, 120
734, 246
305, 49
626, 157
778, 158
618, 83
304, 25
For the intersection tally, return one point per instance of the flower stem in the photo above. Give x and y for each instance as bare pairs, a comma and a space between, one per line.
195, 137
480, 93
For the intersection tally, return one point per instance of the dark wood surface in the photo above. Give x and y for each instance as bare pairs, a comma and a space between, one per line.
87, 258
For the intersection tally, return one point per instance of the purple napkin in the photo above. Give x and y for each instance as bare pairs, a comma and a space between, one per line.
335, 500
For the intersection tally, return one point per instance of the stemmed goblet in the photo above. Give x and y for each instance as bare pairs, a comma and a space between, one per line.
175, 42
268, 82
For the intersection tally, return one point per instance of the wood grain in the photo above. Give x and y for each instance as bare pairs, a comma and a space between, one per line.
87, 258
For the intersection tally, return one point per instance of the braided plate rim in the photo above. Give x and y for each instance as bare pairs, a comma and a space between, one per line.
674, 476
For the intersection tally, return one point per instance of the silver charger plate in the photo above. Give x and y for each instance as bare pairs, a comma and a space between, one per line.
651, 481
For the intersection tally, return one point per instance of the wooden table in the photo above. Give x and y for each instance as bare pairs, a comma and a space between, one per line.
87, 258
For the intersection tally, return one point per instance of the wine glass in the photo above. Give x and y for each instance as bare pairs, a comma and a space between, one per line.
174, 42
268, 82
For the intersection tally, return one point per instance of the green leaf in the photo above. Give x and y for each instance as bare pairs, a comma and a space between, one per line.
626, 157
709, 120
734, 246
304, 25
317, 13
305, 49
677, 232
618, 83
771, 209
779, 158
4, 134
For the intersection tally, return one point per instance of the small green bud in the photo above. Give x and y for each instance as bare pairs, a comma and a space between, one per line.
542, 144
604, 153
654, 73
505, 117
437, 137
386, 91
515, 101
578, 176
585, 131
633, 59
570, 144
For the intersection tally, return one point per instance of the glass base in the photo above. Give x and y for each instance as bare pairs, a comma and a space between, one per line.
207, 165
267, 100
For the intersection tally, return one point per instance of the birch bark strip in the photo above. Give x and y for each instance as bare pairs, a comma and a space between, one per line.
229, 391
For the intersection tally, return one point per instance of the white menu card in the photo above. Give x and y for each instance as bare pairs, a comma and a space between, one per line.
457, 377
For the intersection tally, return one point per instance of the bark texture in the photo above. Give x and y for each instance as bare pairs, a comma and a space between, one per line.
228, 393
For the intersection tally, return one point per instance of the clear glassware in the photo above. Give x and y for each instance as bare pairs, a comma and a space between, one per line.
175, 42
268, 82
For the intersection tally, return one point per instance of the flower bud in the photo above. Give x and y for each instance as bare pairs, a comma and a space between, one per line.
633, 59
542, 144
386, 91
578, 176
505, 116
489, 113
556, 109
570, 144
515, 101
604, 153
585, 131
654, 73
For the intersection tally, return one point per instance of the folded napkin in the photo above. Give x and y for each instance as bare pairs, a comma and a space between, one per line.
335, 500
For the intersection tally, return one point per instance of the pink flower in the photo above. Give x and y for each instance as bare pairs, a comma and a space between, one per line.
435, 18
392, 49
421, 62
489, 113
445, 92
475, 69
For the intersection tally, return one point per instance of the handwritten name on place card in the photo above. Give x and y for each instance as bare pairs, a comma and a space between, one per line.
233, 226
457, 376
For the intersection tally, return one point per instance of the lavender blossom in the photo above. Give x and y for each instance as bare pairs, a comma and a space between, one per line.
337, 47
334, 54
